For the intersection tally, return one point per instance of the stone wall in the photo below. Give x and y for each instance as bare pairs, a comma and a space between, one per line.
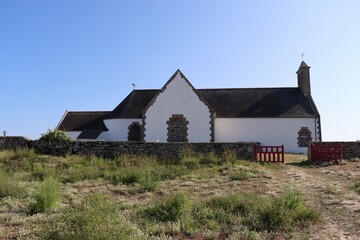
111, 149
351, 150
13, 142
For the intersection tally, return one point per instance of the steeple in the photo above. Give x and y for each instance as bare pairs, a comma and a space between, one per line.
303, 77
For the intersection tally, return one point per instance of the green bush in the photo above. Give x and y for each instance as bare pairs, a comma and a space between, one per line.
47, 197
55, 136
94, 218
171, 209
9, 187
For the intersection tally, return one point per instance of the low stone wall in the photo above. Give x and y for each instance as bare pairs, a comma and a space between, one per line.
351, 150
109, 149
11, 143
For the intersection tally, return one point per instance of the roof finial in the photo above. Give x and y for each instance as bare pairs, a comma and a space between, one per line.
302, 56
134, 86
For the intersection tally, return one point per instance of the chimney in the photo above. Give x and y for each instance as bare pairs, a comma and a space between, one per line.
303, 77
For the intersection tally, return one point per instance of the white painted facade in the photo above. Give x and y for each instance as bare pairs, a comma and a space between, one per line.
118, 129
178, 97
267, 131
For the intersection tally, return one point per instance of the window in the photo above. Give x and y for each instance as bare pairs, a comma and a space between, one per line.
177, 128
304, 137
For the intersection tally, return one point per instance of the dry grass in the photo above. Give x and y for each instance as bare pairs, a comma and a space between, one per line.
328, 189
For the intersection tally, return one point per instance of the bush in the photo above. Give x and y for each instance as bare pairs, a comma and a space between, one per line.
55, 136
47, 197
94, 218
171, 209
9, 187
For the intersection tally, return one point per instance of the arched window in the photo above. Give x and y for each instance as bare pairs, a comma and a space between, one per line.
304, 137
134, 133
177, 128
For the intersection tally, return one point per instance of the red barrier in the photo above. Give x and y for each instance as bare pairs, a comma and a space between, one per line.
329, 153
269, 153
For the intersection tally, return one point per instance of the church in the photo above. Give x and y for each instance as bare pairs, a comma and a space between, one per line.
178, 112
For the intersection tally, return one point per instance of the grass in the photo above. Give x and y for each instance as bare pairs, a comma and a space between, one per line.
356, 187
140, 197
47, 196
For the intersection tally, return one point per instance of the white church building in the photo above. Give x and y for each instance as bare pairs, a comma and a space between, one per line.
178, 112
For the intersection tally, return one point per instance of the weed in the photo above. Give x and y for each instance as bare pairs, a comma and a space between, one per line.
356, 186
9, 187
94, 218
171, 209
209, 158
241, 175
148, 181
47, 197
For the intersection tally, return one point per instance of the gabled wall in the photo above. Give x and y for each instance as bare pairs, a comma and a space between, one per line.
177, 97
267, 131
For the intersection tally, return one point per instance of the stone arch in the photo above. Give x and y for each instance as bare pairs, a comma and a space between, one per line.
135, 132
177, 128
304, 137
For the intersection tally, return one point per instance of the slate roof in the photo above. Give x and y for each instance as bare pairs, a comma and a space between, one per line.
78, 121
227, 103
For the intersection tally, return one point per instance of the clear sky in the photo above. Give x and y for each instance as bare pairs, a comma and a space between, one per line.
85, 54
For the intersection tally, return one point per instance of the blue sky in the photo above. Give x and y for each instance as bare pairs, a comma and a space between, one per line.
85, 54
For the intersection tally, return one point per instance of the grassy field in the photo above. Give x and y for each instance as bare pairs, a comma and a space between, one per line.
196, 197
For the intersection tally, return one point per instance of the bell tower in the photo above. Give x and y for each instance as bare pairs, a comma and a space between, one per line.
303, 77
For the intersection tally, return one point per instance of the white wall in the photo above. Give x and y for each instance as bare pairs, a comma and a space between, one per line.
118, 129
72, 134
178, 98
267, 131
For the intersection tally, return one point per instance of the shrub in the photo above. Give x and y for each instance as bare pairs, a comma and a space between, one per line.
94, 218
8, 186
47, 197
55, 136
171, 209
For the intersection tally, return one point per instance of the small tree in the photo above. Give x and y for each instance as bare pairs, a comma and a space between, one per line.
56, 135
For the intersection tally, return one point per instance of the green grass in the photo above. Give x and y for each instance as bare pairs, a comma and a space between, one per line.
47, 196
163, 198
94, 218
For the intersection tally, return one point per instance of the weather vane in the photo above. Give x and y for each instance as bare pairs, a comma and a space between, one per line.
302, 56
4, 132
134, 86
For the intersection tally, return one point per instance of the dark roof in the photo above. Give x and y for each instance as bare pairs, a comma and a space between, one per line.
89, 134
78, 121
133, 104
302, 65
226, 103
237, 102
258, 102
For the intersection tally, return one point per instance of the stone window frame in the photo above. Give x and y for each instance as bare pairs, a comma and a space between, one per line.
171, 121
304, 137
137, 124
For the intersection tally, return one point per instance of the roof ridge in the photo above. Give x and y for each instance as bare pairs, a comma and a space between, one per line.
258, 88
88, 111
